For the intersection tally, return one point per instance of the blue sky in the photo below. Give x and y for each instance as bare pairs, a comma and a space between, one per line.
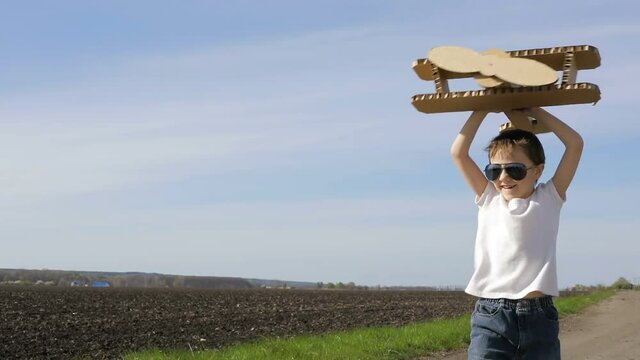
277, 139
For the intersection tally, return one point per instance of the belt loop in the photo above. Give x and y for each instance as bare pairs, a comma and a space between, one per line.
539, 303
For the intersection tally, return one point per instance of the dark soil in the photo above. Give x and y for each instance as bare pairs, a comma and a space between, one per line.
66, 323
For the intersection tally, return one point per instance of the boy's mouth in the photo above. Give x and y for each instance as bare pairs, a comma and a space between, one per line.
507, 187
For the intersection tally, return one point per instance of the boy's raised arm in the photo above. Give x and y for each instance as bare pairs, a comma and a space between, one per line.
573, 149
460, 153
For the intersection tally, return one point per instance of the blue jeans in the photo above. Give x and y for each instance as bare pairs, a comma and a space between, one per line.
524, 329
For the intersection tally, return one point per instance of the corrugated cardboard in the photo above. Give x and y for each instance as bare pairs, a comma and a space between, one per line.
568, 59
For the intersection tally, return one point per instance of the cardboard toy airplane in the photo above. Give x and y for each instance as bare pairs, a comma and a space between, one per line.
511, 80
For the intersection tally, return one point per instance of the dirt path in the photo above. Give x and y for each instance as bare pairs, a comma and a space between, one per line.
609, 330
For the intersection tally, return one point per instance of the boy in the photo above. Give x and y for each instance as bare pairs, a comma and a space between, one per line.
515, 251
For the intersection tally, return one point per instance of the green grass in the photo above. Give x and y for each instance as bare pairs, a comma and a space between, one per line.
576, 304
379, 343
361, 344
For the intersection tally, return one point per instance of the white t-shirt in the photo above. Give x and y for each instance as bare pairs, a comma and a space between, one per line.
515, 251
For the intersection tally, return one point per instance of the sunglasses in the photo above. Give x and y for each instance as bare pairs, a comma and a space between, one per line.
516, 171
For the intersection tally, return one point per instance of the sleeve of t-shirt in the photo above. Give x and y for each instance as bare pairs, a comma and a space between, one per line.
549, 190
489, 191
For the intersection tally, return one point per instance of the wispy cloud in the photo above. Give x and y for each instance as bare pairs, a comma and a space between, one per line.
159, 116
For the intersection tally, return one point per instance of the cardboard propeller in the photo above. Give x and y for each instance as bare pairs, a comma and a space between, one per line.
511, 80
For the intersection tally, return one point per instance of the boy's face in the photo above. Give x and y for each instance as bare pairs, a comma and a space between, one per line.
508, 187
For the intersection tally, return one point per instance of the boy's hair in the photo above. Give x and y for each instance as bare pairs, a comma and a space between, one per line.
526, 140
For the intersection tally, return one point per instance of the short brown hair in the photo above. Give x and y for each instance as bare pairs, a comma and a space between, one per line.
526, 140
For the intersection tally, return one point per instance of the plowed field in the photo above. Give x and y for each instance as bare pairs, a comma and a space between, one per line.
64, 323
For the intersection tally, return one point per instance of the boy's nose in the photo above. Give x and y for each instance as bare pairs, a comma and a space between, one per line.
503, 174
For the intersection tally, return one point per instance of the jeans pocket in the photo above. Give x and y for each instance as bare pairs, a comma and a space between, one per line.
487, 309
550, 312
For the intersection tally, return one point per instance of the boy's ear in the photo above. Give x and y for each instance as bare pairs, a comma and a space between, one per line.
539, 169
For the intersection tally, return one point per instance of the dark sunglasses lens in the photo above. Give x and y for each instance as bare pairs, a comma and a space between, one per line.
516, 171
492, 171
